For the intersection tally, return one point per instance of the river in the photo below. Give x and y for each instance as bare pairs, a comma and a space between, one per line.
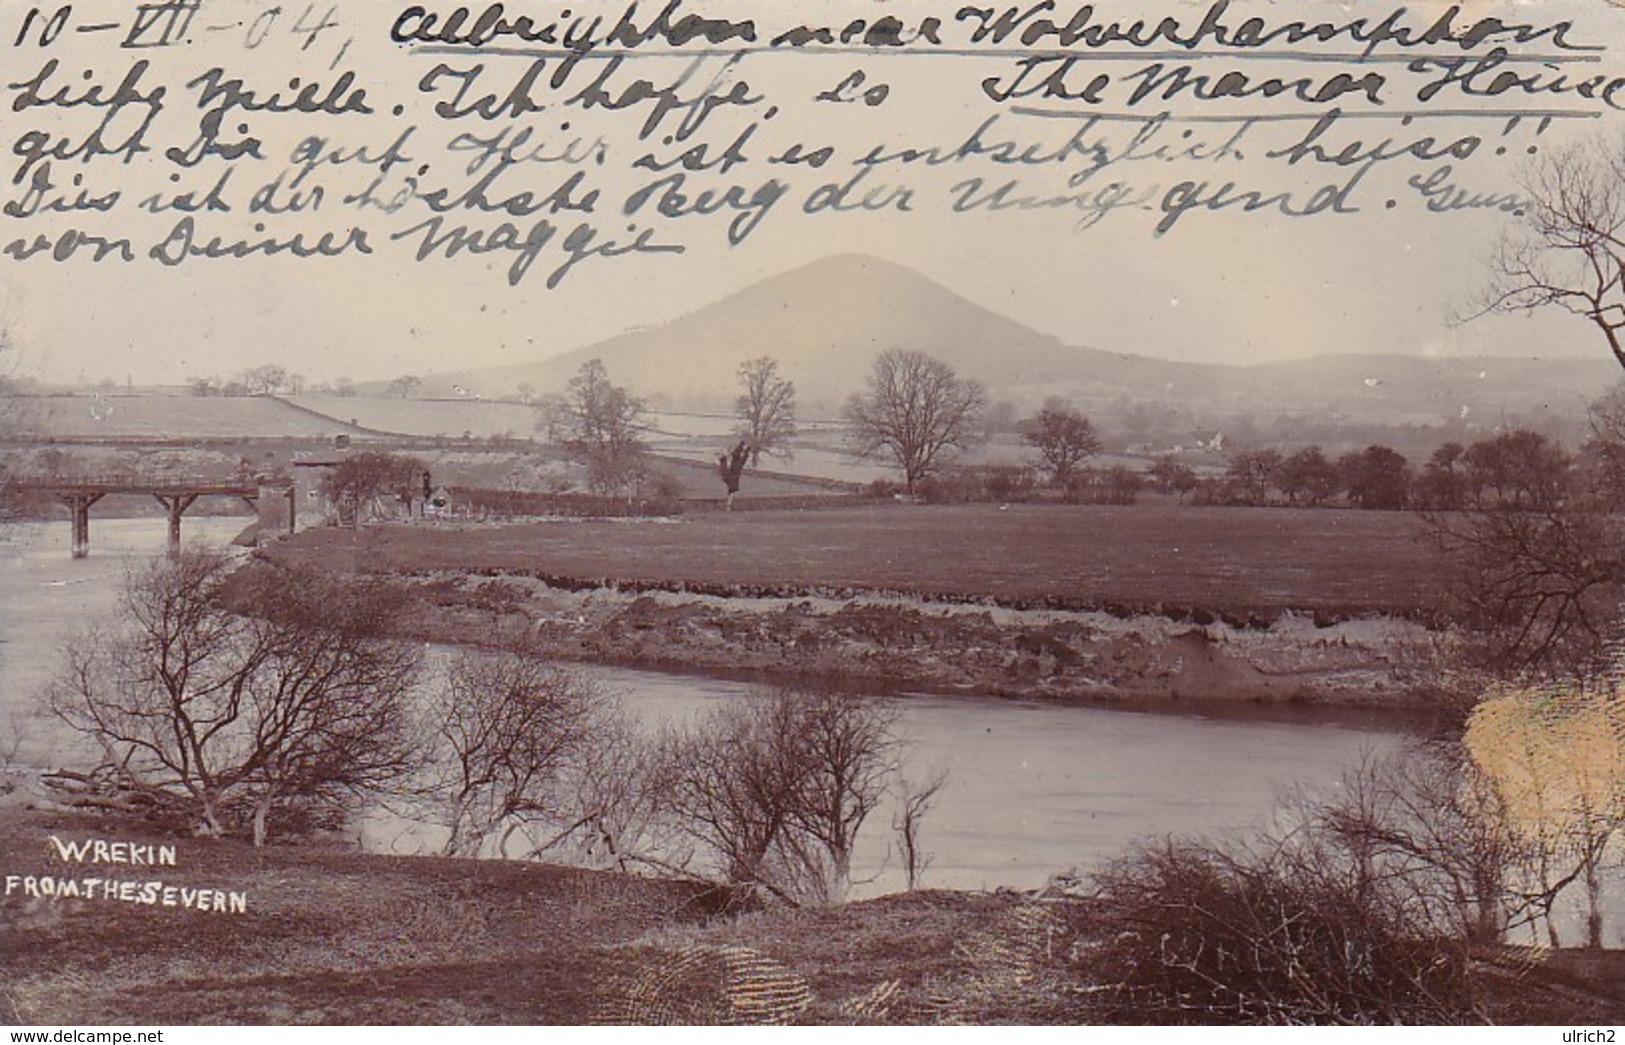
1031, 789
47, 596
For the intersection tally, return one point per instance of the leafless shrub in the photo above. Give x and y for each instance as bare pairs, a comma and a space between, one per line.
505, 727
1285, 932
15, 732
1428, 824
914, 800
527, 758
777, 789
1539, 589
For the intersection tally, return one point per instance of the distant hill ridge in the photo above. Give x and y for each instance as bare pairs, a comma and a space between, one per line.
826, 321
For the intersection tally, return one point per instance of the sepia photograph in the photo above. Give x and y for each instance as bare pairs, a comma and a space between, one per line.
659, 513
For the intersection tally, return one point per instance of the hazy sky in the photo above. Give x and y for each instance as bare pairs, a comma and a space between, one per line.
1220, 285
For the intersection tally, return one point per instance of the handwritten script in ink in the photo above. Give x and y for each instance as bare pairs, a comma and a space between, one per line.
520, 142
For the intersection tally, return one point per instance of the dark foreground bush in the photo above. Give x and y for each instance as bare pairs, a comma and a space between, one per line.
1195, 934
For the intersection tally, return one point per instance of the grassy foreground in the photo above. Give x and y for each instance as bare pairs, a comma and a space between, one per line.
335, 937
1230, 559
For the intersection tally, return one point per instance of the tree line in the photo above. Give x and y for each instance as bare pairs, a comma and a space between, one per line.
915, 414
1519, 468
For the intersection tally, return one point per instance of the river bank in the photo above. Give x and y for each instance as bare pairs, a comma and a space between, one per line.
902, 642
1151, 605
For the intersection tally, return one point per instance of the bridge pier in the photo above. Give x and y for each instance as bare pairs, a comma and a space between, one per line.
278, 507
177, 503
79, 504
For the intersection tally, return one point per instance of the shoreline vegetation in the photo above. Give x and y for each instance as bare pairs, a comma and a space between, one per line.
850, 595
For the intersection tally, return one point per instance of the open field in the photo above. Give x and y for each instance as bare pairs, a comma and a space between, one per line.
1235, 559
820, 457
147, 417
431, 418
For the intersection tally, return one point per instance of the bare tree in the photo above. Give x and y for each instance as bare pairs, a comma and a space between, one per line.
357, 483
1064, 439
917, 412
615, 816
230, 718
1539, 589
1308, 476
507, 729
1443, 482
1601, 461
1522, 468
601, 425
847, 749
1172, 477
778, 789
914, 800
15, 414
1428, 823
766, 408
15, 733
1378, 478
405, 385
1569, 250
729, 787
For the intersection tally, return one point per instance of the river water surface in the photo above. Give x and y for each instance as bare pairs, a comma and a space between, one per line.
1031, 789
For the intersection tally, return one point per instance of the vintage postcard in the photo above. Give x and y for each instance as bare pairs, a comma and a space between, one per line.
849, 512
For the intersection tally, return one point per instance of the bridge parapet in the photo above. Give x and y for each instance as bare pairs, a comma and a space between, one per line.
176, 494
125, 483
